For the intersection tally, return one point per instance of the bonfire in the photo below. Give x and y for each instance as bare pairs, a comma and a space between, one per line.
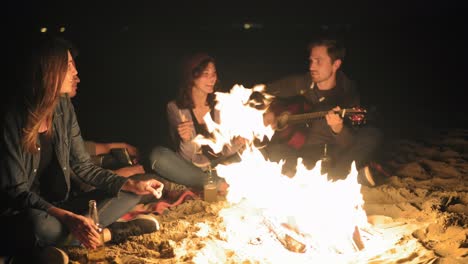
267, 217
276, 219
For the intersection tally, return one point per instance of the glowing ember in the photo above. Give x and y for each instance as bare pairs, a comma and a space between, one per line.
276, 219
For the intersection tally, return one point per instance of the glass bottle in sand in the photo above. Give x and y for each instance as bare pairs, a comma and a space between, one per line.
326, 160
210, 192
99, 254
93, 214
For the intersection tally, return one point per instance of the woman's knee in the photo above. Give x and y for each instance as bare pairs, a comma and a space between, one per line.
47, 229
158, 155
128, 197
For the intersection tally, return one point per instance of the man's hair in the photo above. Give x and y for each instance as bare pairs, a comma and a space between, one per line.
335, 48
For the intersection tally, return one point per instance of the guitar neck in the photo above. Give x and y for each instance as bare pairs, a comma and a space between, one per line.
306, 116
310, 116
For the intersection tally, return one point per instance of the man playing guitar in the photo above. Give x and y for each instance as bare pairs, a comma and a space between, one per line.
323, 89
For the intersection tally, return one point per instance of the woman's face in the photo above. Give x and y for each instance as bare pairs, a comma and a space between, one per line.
207, 80
70, 83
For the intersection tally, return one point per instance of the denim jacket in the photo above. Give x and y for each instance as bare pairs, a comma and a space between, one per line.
18, 167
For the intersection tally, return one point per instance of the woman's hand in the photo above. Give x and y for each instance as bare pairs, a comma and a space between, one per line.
269, 118
81, 227
84, 229
132, 150
185, 130
140, 187
239, 141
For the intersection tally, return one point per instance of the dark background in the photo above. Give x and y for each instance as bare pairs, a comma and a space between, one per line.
409, 59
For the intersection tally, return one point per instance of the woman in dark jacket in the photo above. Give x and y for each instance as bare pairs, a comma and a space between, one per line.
40, 144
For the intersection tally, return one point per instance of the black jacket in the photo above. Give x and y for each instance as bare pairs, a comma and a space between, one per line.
18, 167
344, 95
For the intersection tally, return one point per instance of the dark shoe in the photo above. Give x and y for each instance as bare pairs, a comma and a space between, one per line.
141, 224
365, 177
378, 173
47, 255
53, 255
379, 170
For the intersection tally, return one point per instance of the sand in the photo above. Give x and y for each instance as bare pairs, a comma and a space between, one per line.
423, 206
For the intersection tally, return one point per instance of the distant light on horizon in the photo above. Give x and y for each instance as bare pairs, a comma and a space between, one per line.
62, 29
43, 29
251, 26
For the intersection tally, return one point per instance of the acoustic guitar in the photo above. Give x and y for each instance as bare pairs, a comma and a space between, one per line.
356, 115
288, 129
293, 118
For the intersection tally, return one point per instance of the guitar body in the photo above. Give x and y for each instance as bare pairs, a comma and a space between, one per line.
294, 113
283, 108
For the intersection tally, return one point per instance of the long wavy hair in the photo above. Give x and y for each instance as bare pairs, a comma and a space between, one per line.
48, 67
192, 69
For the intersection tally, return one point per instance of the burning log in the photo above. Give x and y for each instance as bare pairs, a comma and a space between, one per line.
288, 236
359, 245
294, 241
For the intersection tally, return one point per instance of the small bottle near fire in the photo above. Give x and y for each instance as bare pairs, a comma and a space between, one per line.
210, 193
326, 160
98, 254
93, 214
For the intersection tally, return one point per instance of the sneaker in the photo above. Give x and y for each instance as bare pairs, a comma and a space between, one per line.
53, 255
365, 177
141, 224
169, 186
378, 168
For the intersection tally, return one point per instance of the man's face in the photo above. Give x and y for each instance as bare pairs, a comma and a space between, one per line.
207, 79
321, 67
70, 83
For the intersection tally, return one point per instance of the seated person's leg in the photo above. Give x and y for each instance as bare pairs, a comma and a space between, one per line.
363, 149
22, 232
311, 154
110, 208
173, 167
113, 208
48, 229
29, 237
278, 152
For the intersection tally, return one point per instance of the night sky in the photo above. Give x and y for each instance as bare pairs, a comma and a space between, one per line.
409, 60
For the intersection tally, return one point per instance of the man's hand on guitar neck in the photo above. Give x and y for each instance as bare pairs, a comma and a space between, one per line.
334, 120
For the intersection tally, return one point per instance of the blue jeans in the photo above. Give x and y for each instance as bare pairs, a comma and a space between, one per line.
173, 167
31, 228
362, 150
